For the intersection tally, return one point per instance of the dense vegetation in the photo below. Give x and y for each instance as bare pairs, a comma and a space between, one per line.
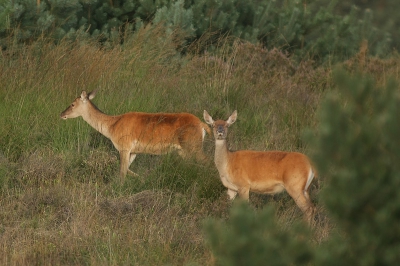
325, 30
60, 199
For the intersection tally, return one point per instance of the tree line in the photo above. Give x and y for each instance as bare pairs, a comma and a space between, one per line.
318, 29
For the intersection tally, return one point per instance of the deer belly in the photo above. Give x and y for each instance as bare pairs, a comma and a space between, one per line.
156, 148
267, 188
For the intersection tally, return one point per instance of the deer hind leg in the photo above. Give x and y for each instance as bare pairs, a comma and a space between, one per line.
182, 153
124, 163
302, 200
189, 151
244, 193
310, 211
131, 159
191, 141
198, 146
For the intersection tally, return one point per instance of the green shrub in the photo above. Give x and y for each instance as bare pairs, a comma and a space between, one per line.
254, 238
319, 28
357, 153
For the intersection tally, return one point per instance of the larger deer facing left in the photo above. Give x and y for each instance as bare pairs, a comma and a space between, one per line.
136, 132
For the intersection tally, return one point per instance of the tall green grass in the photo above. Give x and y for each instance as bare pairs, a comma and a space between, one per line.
60, 199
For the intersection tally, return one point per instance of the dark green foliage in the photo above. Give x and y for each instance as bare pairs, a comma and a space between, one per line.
176, 16
303, 29
26, 20
254, 238
321, 29
357, 153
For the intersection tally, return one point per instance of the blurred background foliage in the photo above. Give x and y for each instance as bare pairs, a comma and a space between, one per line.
324, 30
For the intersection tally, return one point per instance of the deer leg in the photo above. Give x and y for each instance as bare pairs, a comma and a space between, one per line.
198, 148
231, 194
310, 209
182, 153
302, 200
131, 159
244, 193
124, 163
232, 189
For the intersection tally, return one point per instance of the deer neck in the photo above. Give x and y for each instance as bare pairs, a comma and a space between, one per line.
221, 155
98, 120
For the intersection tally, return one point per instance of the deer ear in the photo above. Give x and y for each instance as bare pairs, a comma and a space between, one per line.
84, 96
232, 118
208, 118
92, 94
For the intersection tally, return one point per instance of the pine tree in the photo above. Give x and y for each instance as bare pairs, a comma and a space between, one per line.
175, 17
357, 152
313, 28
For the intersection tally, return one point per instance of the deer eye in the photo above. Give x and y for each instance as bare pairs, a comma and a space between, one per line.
73, 105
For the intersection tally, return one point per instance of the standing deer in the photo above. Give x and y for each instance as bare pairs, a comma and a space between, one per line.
266, 172
133, 133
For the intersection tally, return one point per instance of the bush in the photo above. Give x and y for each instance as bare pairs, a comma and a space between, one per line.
357, 153
254, 238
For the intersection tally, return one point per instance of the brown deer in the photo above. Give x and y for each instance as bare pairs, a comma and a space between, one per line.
135, 132
266, 172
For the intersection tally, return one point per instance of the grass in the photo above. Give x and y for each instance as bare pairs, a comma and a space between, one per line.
59, 195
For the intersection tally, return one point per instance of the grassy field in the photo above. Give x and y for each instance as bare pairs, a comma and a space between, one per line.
60, 199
